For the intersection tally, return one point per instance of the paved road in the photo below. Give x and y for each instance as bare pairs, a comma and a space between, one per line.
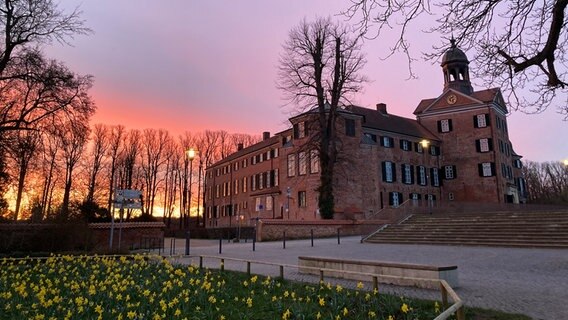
528, 281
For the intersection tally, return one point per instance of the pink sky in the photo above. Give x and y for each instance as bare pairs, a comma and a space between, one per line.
195, 65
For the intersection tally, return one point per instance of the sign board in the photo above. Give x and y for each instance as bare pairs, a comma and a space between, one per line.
129, 199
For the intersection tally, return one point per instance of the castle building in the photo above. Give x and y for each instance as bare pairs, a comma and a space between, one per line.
457, 150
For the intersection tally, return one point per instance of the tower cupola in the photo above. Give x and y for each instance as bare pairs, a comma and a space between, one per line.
456, 70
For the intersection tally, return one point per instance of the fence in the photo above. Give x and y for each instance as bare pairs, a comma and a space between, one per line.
282, 271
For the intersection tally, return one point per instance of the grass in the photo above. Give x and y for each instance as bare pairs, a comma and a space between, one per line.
97, 287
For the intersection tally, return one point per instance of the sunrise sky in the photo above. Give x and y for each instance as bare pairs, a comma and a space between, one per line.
195, 65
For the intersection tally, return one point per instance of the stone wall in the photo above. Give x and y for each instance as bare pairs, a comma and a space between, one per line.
269, 230
132, 236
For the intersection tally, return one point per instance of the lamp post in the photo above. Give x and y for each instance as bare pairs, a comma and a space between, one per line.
425, 143
199, 191
190, 156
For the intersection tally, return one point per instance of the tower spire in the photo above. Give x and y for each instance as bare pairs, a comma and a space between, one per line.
455, 69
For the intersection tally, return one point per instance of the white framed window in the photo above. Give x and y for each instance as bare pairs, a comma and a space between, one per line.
422, 175
435, 177
395, 199
302, 163
268, 203
405, 145
387, 142
302, 199
484, 145
486, 169
388, 171
445, 125
291, 165
253, 182
314, 161
275, 178
407, 173
244, 184
481, 120
260, 181
450, 172
258, 205
236, 186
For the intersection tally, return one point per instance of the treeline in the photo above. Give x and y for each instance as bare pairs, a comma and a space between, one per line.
67, 170
547, 182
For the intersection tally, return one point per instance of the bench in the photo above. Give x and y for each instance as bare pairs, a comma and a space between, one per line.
406, 273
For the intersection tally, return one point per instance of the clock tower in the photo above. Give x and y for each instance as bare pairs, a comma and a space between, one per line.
456, 70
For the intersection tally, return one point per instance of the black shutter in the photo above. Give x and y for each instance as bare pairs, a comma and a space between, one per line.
391, 142
402, 173
401, 143
296, 131
450, 124
454, 169
475, 122
412, 174
383, 167
492, 168
478, 145
439, 125
393, 172
391, 200
400, 198
490, 143
487, 119
382, 141
480, 169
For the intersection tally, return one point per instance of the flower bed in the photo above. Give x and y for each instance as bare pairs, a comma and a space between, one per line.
134, 287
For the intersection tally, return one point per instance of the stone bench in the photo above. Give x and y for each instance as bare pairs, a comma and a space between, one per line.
406, 272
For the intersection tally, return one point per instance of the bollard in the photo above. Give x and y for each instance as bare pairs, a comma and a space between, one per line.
321, 275
187, 239
171, 246
220, 244
248, 268
284, 241
312, 236
254, 241
222, 264
281, 272
200, 262
375, 283
338, 237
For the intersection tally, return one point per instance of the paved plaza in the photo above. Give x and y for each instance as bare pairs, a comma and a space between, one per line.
528, 281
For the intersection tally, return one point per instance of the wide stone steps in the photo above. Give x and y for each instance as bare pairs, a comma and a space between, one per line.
512, 229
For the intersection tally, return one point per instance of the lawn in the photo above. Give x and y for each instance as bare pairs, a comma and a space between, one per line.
134, 287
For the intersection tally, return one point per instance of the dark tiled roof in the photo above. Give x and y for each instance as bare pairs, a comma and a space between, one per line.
275, 139
388, 122
485, 96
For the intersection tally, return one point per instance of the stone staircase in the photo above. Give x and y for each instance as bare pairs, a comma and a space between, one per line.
507, 229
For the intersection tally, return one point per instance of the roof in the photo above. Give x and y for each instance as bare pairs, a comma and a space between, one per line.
483, 96
392, 123
253, 148
454, 54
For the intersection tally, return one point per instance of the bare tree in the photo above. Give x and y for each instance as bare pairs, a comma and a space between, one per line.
547, 182
24, 24
22, 149
99, 145
243, 139
154, 144
519, 44
73, 134
117, 134
318, 71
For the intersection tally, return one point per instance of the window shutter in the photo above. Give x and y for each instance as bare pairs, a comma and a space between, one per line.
480, 169
475, 122
450, 125
455, 171
401, 143
477, 145
400, 198
391, 142
391, 200
412, 174
439, 125
487, 119
382, 140
492, 168
393, 172
383, 167
490, 143
296, 131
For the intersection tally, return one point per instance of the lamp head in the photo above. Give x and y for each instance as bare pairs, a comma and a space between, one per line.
425, 143
191, 154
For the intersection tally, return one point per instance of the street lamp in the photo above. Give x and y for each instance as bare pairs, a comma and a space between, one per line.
190, 155
425, 143
566, 162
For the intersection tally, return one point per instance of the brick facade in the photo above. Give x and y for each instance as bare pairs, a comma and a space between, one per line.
457, 150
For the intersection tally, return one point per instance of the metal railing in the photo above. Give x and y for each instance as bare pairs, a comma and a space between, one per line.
446, 291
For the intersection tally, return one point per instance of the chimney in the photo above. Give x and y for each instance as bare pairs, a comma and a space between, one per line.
265, 135
240, 146
382, 108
